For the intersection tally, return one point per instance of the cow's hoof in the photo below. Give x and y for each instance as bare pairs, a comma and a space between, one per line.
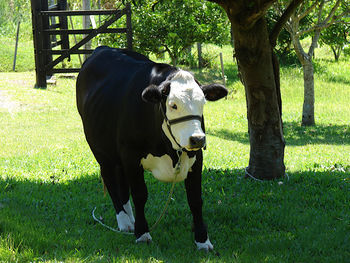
124, 222
207, 245
146, 237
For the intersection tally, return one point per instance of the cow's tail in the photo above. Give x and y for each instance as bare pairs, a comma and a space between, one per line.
104, 187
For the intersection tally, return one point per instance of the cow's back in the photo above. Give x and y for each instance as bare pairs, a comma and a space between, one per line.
107, 73
109, 88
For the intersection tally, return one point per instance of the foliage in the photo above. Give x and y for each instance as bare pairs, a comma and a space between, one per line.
174, 26
25, 53
284, 47
336, 37
49, 181
283, 41
12, 11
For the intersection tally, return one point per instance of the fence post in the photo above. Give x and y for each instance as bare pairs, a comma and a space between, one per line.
222, 69
45, 37
128, 26
37, 25
86, 24
16, 46
62, 5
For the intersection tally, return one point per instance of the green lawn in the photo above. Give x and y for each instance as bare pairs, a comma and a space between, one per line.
49, 181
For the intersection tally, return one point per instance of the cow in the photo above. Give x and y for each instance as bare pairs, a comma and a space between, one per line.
141, 115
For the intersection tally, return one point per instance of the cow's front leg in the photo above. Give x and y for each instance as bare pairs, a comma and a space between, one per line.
194, 196
139, 196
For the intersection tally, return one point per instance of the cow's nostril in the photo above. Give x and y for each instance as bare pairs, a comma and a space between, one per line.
197, 141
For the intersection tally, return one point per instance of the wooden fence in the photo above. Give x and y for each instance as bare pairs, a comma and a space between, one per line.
45, 33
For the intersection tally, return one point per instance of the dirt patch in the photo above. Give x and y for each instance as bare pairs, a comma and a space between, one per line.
7, 104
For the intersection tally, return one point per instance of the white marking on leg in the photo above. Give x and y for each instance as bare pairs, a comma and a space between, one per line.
128, 209
124, 222
207, 245
146, 237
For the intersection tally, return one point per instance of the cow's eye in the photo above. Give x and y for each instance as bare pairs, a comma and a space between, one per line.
173, 106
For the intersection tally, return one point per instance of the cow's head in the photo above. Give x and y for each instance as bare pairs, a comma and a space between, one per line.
182, 99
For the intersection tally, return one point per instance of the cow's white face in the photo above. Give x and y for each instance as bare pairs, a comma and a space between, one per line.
185, 98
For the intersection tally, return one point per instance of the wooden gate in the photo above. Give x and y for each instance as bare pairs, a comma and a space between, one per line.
44, 29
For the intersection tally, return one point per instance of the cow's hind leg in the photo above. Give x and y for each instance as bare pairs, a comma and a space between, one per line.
139, 195
118, 190
124, 194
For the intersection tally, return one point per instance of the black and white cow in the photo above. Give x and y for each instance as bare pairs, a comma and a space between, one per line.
140, 115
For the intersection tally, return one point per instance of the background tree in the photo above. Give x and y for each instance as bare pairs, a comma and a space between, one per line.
175, 26
259, 72
309, 20
336, 37
12, 11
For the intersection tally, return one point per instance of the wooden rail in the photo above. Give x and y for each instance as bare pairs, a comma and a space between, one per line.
45, 33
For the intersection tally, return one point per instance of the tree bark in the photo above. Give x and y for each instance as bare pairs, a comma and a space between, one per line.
308, 115
336, 52
258, 73
200, 59
308, 118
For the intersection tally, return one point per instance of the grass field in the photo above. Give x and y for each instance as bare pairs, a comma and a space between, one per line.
49, 180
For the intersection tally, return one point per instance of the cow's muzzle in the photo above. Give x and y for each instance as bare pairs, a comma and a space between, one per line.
196, 141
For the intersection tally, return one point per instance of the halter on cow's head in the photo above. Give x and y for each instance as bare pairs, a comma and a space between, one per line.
181, 100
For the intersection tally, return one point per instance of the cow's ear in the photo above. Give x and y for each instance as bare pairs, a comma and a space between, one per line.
152, 94
213, 92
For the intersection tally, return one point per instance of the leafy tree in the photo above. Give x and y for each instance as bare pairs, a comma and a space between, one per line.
336, 37
174, 26
12, 11
312, 17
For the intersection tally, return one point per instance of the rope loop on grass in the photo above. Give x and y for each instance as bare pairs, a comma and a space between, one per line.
259, 180
247, 173
106, 226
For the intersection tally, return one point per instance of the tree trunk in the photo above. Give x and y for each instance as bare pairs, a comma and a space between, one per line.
261, 81
200, 59
308, 118
336, 52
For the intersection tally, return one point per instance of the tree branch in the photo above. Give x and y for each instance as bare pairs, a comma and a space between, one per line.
331, 14
320, 9
328, 21
308, 10
312, 29
314, 42
301, 54
282, 21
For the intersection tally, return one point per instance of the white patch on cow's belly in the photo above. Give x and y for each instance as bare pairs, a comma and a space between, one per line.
163, 169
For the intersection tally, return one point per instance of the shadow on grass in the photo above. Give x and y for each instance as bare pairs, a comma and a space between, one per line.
297, 135
248, 220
